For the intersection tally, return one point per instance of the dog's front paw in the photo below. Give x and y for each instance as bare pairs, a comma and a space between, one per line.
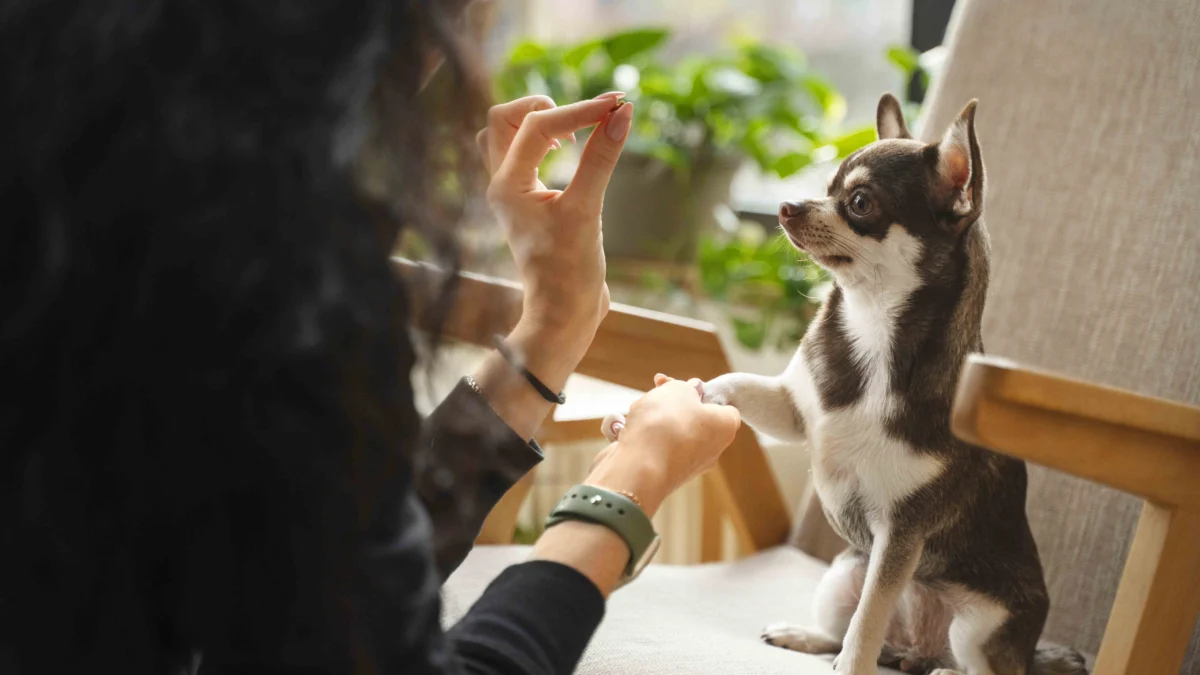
799, 639
718, 390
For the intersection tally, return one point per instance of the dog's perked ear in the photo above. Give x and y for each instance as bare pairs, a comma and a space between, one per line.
959, 171
889, 119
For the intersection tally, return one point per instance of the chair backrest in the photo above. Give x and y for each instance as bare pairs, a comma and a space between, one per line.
1087, 119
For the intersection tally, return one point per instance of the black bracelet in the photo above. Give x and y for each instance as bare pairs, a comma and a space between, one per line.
546, 392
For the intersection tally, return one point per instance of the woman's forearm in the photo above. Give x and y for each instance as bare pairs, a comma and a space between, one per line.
551, 354
593, 550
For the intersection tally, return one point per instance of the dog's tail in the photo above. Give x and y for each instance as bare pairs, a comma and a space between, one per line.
1058, 661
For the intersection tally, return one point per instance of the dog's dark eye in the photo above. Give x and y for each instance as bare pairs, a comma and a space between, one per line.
860, 203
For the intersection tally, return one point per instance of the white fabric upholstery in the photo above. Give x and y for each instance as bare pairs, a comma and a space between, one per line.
681, 620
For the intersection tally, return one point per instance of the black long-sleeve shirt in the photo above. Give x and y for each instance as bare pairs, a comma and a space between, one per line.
536, 617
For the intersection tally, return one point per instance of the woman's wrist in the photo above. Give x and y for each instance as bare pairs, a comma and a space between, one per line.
551, 354
634, 473
596, 551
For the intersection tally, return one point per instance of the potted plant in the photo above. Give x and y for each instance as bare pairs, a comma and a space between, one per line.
698, 120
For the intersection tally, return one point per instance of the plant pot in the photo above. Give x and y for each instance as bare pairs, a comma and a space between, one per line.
653, 212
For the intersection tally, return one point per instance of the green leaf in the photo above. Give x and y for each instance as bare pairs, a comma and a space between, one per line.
655, 84
751, 334
670, 155
832, 103
732, 82
771, 64
790, 163
849, 142
904, 58
526, 53
575, 56
624, 46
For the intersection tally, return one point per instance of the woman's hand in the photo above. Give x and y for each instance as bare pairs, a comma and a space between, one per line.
668, 437
555, 235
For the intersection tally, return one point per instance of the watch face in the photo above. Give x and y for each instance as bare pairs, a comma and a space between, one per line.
647, 556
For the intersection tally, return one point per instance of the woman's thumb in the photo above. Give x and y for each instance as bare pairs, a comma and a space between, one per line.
727, 417
599, 157
612, 426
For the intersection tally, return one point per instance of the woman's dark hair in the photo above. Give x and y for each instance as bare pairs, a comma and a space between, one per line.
203, 347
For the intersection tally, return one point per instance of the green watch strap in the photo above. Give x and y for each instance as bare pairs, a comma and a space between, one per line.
612, 510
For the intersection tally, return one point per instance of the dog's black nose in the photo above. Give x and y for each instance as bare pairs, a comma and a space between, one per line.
790, 209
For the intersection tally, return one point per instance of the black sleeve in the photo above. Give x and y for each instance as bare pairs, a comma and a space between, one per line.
536, 617
467, 460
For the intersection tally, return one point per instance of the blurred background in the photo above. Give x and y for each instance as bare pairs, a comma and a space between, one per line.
740, 105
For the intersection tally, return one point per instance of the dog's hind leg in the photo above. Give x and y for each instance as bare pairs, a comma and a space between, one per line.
837, 596
991, 638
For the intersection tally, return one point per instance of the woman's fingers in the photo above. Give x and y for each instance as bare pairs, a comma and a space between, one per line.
504, 120
612, 426
518, 169
727, 415
600, 158
697, 383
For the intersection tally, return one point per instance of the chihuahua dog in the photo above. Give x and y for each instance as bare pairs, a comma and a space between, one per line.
942, 573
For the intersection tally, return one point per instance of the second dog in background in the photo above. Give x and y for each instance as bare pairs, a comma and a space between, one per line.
942, 574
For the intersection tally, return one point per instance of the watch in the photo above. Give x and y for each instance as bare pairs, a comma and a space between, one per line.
616, 512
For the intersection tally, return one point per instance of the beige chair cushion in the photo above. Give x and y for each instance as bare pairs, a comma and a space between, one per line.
681, 620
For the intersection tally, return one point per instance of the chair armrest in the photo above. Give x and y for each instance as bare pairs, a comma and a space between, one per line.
1138, 444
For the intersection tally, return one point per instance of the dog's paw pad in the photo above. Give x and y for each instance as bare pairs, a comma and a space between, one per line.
799, 639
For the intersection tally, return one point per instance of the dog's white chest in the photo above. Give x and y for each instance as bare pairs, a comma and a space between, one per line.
853, 456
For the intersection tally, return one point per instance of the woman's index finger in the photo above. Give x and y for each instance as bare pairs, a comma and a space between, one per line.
539, 128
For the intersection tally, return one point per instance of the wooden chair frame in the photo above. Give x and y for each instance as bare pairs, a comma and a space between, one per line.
1145, 446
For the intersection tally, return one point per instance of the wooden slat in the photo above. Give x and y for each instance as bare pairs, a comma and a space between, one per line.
1144, 446
754, 503
1158, 599
712, 521
631, 345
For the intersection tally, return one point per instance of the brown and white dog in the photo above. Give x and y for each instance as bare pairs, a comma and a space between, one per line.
942, 574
